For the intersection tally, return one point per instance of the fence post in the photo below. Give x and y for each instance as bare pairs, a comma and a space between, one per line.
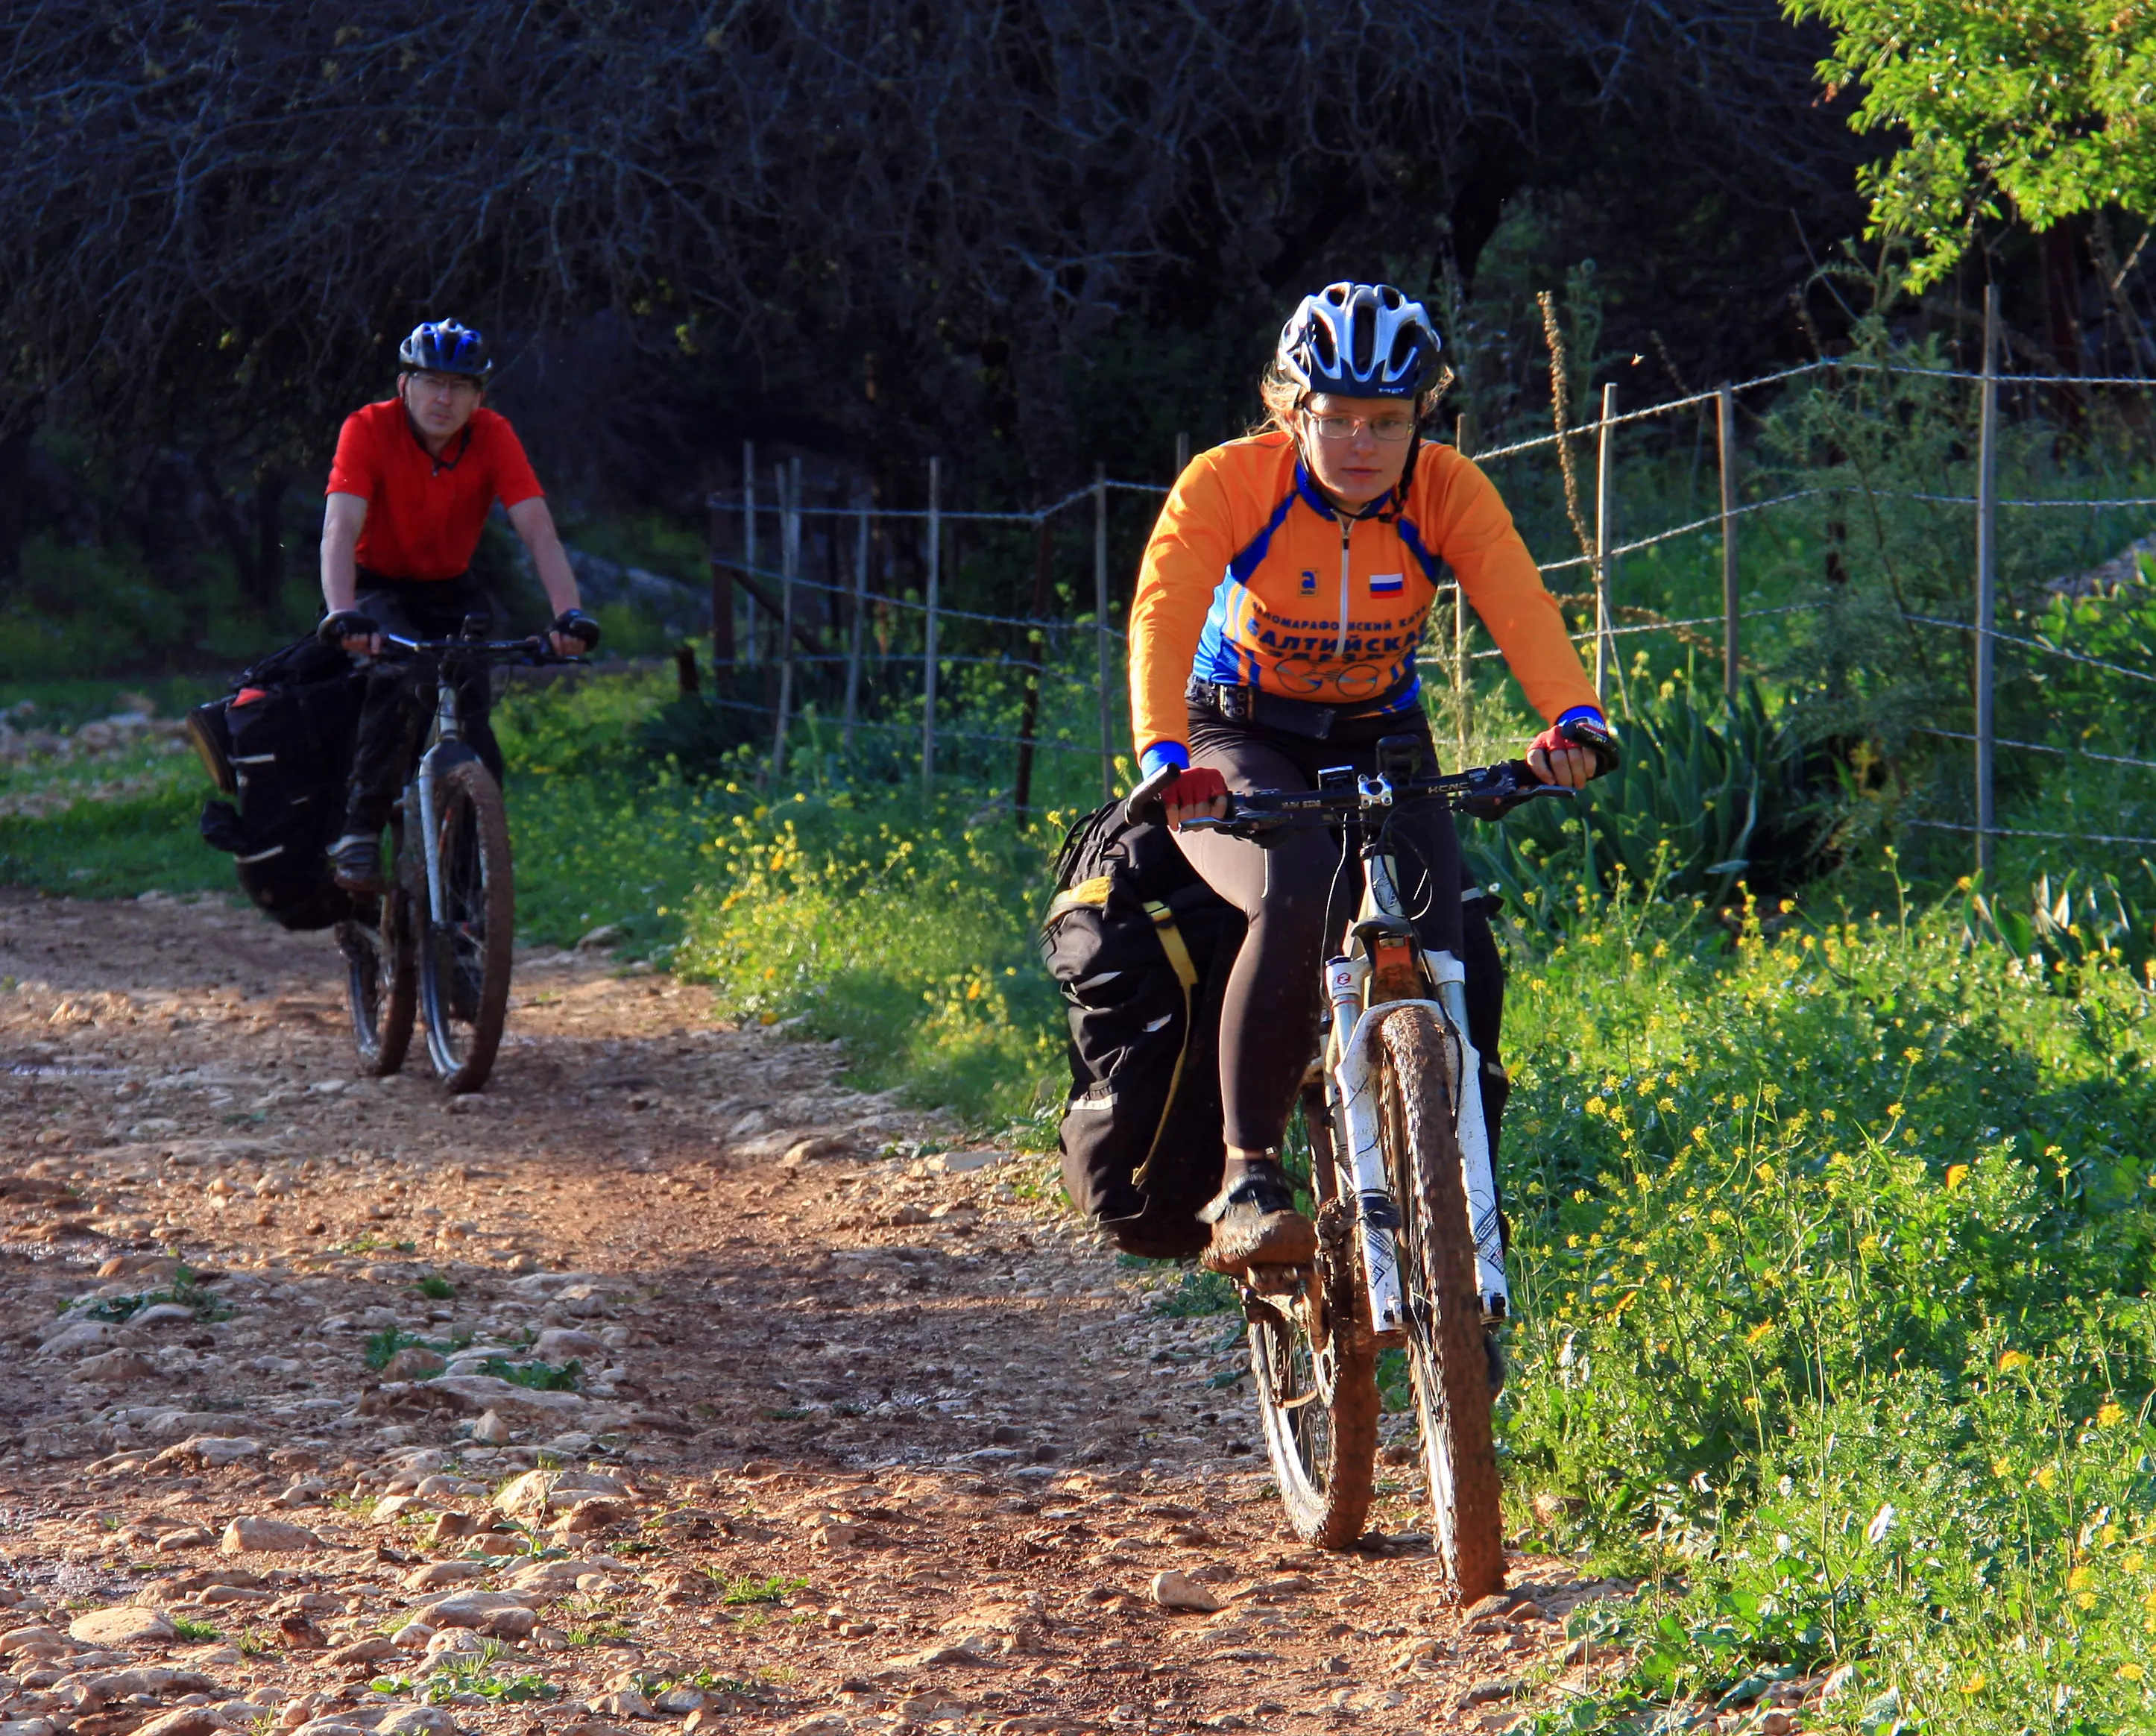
1987, 568
721, 576
788, 479
748, 532
1101, 624
1725, 417
856, 626
1182, 453
1037, 653
928, 646
1463, 442
1605, 648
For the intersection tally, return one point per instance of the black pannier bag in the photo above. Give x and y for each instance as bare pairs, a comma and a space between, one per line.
1141, 947
281, 742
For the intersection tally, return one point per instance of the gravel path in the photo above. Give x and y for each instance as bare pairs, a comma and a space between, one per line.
829, 1435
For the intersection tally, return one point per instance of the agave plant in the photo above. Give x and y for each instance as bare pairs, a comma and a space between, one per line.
1709, 794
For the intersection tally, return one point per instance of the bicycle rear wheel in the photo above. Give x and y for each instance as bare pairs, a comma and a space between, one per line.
1447, 1359
382, 971
465, 953
1316, 1373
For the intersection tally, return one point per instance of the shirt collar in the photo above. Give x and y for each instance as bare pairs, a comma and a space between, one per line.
1386, 505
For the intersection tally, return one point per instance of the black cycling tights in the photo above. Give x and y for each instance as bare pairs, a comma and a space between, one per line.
1299, 895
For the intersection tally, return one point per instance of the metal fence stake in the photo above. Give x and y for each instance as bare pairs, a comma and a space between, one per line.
928, 647
722, 580
1101, 624
1725, 417
1987, 568
1606, 645
1463, 442
856, 625
787, 478
748, 532
1182, 453
1036, 643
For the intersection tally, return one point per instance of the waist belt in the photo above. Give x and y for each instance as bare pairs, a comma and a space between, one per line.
1239, 704
367, 575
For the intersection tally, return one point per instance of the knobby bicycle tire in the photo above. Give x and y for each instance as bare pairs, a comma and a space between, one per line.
1323, 1446
1447, 1361
381, 990
465, 959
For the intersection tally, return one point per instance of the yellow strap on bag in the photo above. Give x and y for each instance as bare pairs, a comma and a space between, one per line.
1185, 973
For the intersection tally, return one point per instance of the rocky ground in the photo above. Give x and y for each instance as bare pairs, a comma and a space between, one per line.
670, 1383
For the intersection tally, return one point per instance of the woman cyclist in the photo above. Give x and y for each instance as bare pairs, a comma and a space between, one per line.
1279, 606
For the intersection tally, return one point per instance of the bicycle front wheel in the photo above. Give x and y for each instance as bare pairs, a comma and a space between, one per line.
381, 974
1447, 1358
465, 947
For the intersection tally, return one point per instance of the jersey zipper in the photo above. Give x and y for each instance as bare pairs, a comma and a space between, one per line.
1340, 651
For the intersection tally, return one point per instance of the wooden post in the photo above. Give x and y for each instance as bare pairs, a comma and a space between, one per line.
1182, 455
788, 480
1100, 626
748, 533
1606, 645
1037, 651
928, 650
1987, 568
1725, 416
858, 625
1463, 442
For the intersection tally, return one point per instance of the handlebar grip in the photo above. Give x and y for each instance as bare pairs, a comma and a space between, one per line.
1143, 805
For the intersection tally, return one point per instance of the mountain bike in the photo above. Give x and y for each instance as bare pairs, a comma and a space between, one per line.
439, 939
1410, 1253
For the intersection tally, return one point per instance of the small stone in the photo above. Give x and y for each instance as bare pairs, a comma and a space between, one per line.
411, 1636
445, 1573
417, 1721
73, 1340
511, 1624
414, 1361
557, 1344
252, 1532
623, 1702
15, 1639
122, 1626
470, 1609
28, 1727
361, 1651
188, 1537
114, 1367
449, 1527
1495, 1604
1179, 1591
213, 1451
538, 1494
1501, 1688
184, 1721
491, 1430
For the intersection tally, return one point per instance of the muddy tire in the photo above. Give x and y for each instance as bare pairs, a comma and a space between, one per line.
464, 957
1448, 1359
1317, 1395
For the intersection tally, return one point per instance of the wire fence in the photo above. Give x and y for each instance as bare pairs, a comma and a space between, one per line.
875, 632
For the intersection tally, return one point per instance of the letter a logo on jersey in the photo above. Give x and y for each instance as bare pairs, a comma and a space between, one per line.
1309, 583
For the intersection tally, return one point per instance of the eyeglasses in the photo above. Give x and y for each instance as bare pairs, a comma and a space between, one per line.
1391, 430
456, 384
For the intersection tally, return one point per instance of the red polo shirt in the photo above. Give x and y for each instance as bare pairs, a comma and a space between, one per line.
424, 514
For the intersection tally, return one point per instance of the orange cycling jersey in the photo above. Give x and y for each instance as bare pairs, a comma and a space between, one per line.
1252, 579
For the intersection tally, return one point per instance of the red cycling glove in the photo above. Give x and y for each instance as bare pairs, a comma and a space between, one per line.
1193, 787
1591, 733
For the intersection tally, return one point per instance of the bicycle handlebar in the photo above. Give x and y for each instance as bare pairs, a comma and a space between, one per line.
1504, 784
534, 649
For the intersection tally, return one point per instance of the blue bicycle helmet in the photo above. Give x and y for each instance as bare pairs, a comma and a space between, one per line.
1359, 340
444, 347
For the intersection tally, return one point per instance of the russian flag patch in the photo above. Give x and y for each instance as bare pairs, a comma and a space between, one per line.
1386, 584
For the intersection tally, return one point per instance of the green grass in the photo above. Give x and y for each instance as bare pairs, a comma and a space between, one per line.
187, 1628
740, 1591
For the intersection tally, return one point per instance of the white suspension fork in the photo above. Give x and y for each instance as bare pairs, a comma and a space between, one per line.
447, 728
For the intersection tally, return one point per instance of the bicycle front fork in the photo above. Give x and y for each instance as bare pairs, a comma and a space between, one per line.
1354, 1074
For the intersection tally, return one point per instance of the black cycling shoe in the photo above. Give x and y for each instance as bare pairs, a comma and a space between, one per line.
1255, 1223
356, 862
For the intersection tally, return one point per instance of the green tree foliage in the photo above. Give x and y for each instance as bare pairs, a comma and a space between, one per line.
2038, 105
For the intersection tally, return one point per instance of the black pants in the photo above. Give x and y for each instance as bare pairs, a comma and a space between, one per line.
1300, 891
400, 695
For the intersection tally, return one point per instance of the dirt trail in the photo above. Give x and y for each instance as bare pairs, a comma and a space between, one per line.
868, 1441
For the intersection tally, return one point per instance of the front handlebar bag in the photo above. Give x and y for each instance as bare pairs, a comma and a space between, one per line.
284, 734
1140, 948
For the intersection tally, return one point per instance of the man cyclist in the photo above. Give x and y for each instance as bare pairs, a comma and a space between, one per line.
409, 490
1279, 608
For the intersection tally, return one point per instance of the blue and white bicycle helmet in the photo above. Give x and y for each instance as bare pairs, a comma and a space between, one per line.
444, 347
1360, 340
